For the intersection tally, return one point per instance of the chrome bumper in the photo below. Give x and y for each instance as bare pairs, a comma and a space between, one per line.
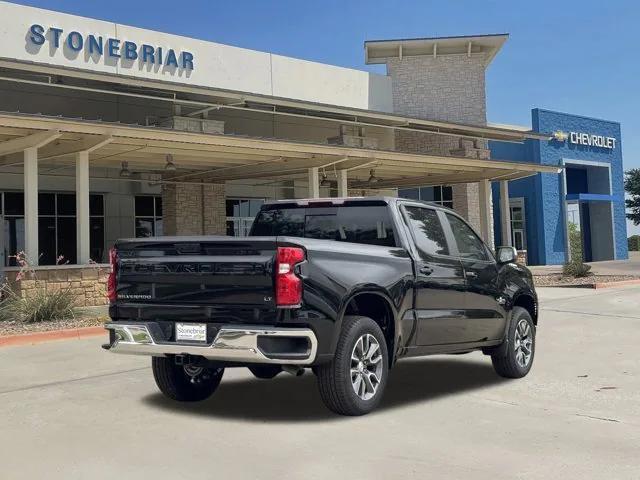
231, 344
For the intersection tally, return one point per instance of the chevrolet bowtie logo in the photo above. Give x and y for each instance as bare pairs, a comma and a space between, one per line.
560, 136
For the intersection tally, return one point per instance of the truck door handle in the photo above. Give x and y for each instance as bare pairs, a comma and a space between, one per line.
425, 270
471, 274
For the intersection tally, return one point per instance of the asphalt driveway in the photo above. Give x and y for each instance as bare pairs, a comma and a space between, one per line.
70, 410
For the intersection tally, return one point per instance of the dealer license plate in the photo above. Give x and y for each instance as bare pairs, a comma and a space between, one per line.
191, 332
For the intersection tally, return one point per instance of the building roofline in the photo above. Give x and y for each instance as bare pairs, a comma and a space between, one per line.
380, 51
586, 117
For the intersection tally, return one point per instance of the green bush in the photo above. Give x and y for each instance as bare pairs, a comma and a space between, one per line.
575, 243
576, 269
634, 243
38, 305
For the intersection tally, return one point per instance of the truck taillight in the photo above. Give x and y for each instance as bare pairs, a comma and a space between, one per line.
111, 279
288, 284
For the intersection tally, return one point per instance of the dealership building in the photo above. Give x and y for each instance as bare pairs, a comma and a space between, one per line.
111, 131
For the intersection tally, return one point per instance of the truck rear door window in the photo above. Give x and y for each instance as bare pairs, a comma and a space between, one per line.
427, 231
370, 225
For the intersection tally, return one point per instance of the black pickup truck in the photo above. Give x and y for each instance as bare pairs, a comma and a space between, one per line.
344, 286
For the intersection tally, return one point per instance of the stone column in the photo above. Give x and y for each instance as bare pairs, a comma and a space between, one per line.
343, 190
214, 209
449, 88
193, 209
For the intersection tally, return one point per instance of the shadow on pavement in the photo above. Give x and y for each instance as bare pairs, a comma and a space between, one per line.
291, 399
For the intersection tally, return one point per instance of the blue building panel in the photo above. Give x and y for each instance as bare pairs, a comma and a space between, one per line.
584, 146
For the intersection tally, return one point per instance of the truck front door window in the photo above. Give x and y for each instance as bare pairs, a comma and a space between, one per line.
469, 245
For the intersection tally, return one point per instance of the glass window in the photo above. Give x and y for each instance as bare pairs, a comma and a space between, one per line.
96, 238
13, 239
439, 194
148, 216
46, 203
427, 231
369, 225
469, 245
66, 203
56, 227
240, 215
13, 203
270, 223
96, 205
66, 238
46, 240
144, 206
144, 227
158, 204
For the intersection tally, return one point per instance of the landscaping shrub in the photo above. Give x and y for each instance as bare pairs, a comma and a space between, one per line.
634, 243
576, 269
38, 305
575, 243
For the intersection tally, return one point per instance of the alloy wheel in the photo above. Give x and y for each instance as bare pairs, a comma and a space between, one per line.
366, 366
523, 344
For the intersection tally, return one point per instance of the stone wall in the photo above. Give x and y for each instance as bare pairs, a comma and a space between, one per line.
87, 283
449, 88
193, 209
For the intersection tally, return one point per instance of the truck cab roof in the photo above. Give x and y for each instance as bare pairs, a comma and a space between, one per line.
343, 201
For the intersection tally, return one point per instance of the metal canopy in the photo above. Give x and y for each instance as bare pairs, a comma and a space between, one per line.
219, 158
197, 100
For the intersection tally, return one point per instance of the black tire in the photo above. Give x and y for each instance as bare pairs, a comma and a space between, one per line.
174, 382
506, 359
265, 372
334, 378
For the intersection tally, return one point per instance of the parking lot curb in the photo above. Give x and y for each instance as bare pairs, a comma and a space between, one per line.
621, 283
40, 337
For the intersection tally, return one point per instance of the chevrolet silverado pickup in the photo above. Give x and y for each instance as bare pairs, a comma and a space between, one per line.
343, 286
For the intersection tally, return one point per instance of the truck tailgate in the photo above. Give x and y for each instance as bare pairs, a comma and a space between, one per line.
197, 278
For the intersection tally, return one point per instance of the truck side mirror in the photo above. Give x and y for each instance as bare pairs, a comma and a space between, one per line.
507, 254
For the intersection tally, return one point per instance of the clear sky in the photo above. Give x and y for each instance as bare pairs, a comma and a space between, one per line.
578, 56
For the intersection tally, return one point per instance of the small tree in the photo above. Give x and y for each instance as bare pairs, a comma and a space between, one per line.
632, 187
575, 267
575, 242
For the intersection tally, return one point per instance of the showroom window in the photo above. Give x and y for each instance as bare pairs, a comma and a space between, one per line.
440, 194
56, 227
240, 215
518, 228
148, 216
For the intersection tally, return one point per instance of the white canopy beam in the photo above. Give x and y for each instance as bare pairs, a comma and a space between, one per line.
35, 140
88, 144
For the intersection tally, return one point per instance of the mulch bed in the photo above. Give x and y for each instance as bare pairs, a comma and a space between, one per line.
17, 328
558, 280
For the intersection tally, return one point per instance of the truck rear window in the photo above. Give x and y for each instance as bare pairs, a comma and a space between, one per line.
370, 225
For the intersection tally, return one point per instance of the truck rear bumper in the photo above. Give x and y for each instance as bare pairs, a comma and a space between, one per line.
246, 344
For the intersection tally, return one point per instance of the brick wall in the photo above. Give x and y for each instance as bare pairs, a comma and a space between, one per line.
88, 284
215, 211
449, 88
194, 209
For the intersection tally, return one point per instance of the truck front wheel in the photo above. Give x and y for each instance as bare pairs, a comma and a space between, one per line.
514, 360
354, 381
185, 383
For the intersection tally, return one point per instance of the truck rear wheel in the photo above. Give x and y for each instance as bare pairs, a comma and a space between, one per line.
354, 381
516, 359
185, 383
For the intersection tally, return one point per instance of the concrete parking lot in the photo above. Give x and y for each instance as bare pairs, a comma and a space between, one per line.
72, 411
